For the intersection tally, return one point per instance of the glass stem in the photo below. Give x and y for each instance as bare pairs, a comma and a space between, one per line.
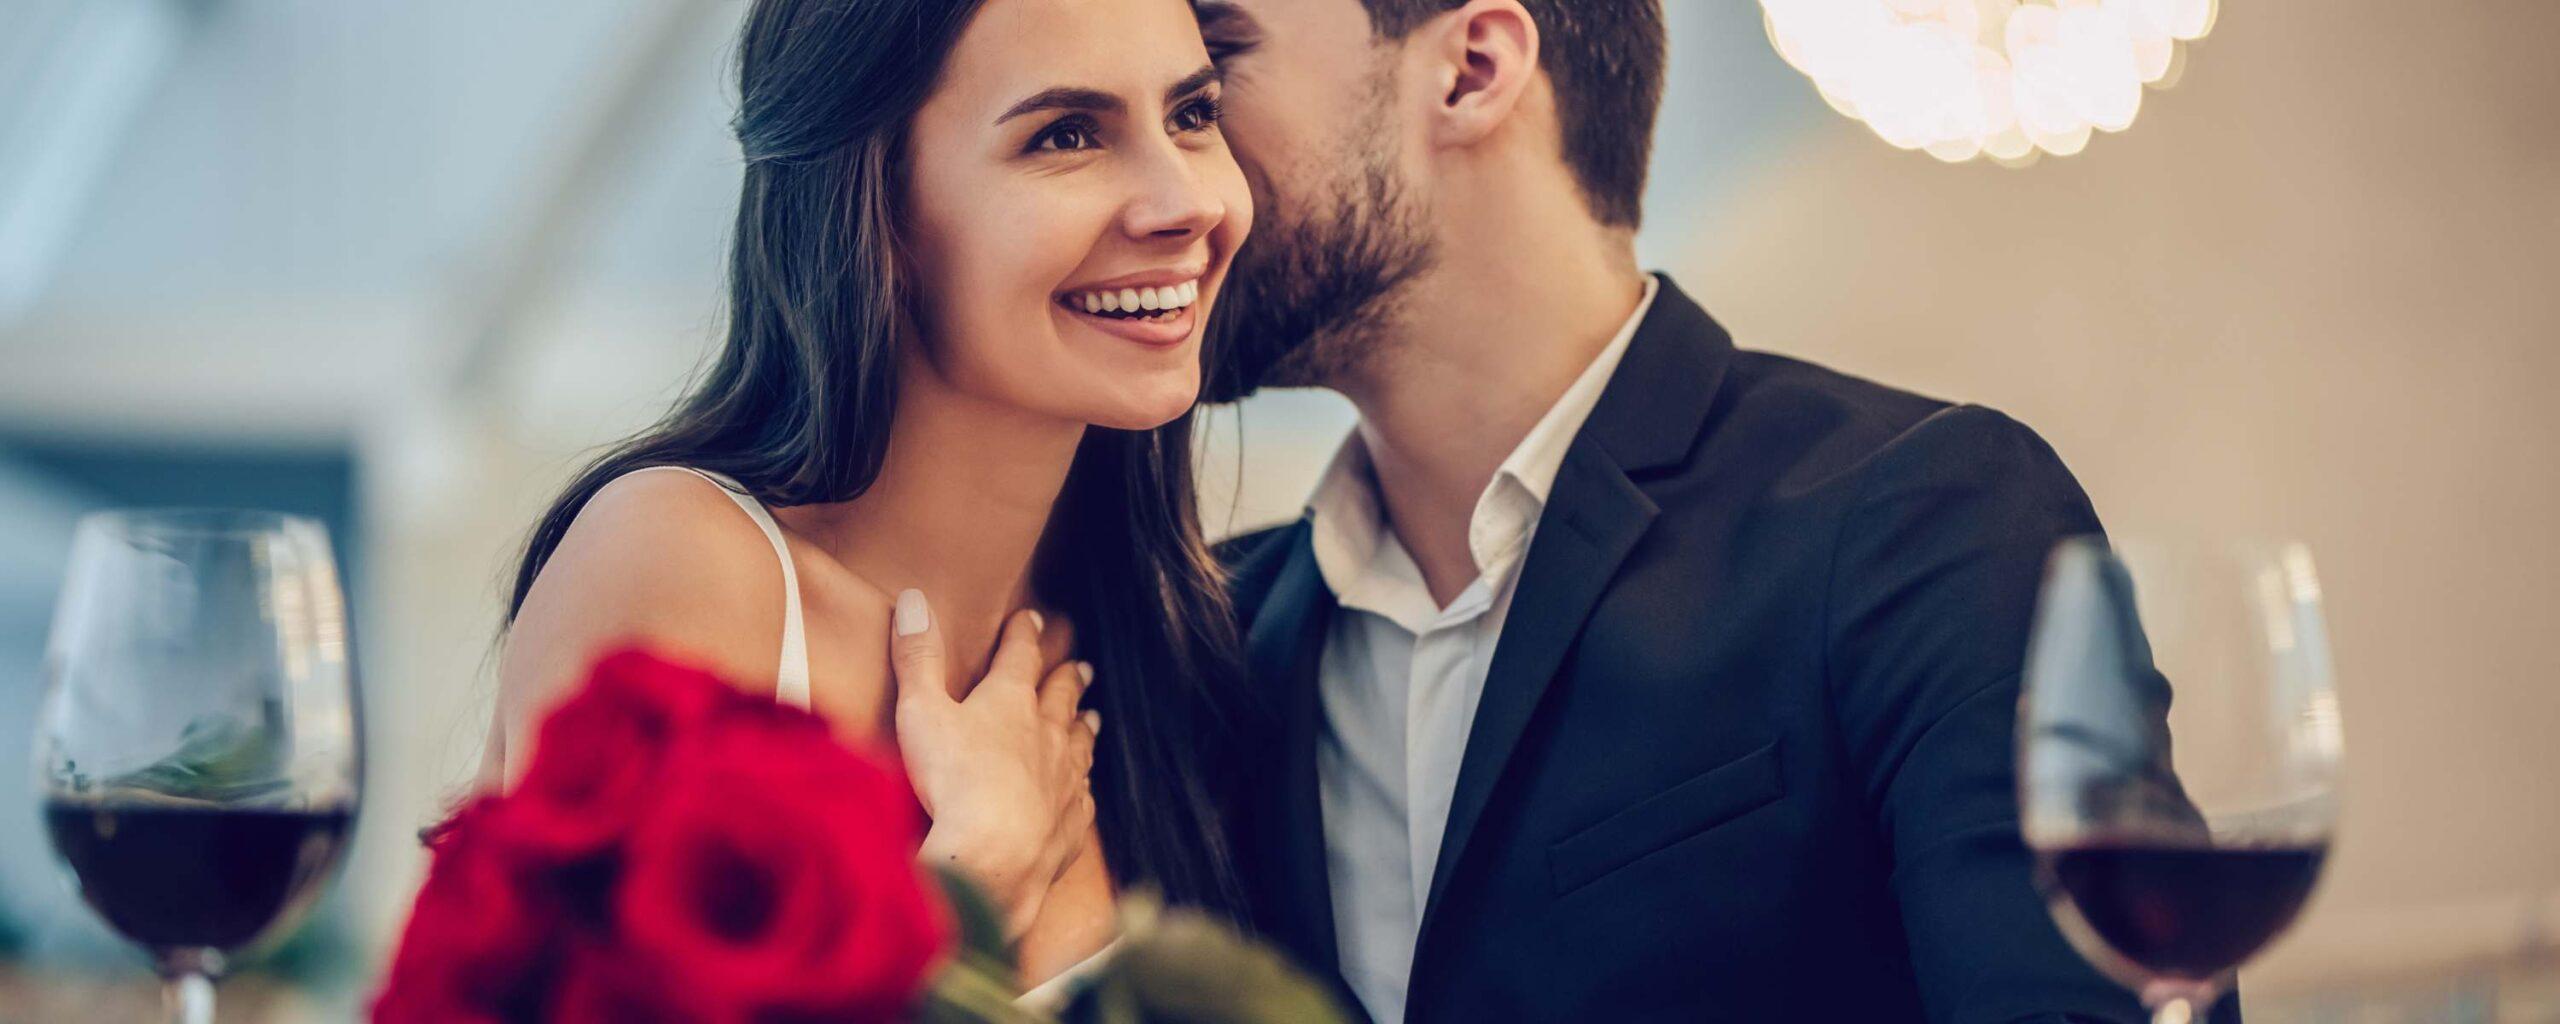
186, 988
189, 998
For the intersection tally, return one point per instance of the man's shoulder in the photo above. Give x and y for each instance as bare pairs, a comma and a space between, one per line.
1839, 427
1757, 404
1768, 384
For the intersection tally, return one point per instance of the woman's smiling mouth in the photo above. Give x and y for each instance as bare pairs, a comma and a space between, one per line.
1152, 314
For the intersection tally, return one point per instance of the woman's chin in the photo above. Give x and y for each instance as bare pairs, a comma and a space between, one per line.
1150, 407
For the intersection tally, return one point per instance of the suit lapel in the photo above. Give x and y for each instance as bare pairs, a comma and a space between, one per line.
1286, 644
1592, 520
1648, 418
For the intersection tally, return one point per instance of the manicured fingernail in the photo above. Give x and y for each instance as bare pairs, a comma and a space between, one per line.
1038, 622
913, 616
1084, 670
1093, 722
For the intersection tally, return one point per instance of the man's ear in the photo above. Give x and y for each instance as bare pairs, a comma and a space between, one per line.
1485, 56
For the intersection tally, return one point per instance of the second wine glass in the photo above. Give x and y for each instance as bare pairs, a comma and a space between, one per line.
198, 748
2168, 864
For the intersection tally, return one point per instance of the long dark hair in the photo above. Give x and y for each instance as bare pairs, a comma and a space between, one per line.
797, 406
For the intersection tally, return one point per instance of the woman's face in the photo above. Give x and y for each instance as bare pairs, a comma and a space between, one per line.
1072, 207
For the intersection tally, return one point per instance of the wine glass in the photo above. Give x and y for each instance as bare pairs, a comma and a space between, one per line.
2168, 868
197, 749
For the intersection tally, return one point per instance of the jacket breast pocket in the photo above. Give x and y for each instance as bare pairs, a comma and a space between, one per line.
1713, 797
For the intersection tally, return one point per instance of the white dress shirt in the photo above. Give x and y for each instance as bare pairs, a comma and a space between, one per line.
1401, 675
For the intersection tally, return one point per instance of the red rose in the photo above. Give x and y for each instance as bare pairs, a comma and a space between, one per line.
601, 985
476, 943
776, 875
598, 757
679, 850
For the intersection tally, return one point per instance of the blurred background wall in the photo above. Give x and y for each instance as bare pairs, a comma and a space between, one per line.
402, 265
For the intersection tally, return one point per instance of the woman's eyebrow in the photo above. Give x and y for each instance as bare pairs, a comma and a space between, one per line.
1098, 101
1193, 82
1065, 98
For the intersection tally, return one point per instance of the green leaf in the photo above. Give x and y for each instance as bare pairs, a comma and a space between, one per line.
965, 994
981, 927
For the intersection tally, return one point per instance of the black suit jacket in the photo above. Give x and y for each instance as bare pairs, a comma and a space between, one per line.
1745, 749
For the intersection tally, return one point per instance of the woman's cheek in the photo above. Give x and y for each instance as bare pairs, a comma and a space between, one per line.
1018, 354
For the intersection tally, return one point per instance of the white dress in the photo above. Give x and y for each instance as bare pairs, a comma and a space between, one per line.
792, 687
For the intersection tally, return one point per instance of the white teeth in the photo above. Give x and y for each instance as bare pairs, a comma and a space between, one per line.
1133, 300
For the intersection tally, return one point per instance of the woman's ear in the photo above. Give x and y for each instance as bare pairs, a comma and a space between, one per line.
1485, 56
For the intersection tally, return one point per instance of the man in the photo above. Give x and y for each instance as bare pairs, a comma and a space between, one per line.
1618, 674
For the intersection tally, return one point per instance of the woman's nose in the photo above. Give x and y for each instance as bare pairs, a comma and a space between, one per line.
1172, 201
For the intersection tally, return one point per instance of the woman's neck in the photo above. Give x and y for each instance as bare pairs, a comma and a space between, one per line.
964, 494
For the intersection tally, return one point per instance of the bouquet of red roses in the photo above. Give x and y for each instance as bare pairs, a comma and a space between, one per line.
681, 850
677, 850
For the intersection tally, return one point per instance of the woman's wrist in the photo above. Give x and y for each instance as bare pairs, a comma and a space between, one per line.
1006, 880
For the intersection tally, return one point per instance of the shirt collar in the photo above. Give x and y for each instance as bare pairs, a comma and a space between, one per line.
1534, 464
1356, 553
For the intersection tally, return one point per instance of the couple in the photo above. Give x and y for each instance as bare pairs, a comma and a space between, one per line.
1614, 673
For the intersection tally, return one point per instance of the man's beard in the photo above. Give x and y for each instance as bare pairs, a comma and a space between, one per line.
1312, 299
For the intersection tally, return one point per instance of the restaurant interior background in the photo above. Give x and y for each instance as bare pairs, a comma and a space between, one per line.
398, 265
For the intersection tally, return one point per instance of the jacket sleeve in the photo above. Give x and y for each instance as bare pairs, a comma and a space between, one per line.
1933, 589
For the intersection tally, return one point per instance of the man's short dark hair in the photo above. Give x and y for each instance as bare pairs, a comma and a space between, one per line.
1606, 58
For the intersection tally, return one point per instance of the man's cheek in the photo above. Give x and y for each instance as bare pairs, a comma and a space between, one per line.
1244, 133
1264, 148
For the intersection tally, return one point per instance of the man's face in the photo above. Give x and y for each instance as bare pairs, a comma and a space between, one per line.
1311, 112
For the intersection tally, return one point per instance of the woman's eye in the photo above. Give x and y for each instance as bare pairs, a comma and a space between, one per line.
1197, 116
1066, 137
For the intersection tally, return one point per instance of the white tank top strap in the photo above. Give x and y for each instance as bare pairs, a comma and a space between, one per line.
792, 681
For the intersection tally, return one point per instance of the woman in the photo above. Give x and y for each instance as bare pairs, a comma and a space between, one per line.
975, 246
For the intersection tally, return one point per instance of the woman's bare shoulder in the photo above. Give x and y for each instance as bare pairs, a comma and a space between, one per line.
665, 559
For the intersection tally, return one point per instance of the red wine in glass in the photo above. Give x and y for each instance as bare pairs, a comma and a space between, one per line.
2184, 914
179, 878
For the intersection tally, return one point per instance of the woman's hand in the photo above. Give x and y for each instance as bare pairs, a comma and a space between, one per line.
1005, 772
